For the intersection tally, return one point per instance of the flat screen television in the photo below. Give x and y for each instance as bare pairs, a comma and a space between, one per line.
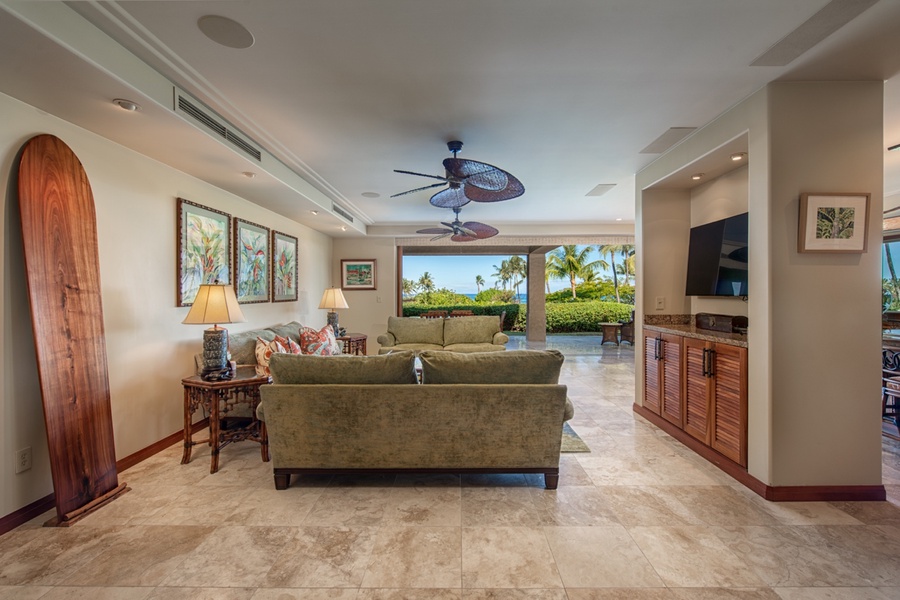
717, 258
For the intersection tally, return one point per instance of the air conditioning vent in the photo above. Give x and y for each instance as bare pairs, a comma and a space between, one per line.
338, 210
216, 125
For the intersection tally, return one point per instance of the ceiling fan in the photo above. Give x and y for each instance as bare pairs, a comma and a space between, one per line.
468, 181
461, 232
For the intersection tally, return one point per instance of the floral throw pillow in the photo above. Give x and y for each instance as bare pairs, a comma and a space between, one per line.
264, 351
320, 343
289, 345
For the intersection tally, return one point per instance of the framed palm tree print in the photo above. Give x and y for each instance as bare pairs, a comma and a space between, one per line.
284, 267
204, 252
251, 262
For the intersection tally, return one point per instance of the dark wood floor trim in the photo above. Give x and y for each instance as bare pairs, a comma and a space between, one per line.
48, 502
27, 513
170, 440
772, 493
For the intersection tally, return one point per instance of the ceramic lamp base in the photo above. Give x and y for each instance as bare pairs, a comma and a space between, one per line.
333, 321
215, 351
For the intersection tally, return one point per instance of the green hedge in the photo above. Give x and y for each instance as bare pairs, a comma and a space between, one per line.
512, 310
570, 317
579, 316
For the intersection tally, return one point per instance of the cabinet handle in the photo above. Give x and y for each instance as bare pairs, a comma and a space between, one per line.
656, 348
712, 363
662, 348
705, 351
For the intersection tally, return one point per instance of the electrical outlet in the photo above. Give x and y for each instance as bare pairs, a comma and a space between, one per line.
378, 299
23, 459
660, 303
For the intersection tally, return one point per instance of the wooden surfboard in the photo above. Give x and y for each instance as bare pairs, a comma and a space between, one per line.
62, 266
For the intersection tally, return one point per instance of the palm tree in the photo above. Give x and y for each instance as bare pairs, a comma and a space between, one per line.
568, 262
426, 283
479, 281
409, 287
502, 274
611, 250
518, 271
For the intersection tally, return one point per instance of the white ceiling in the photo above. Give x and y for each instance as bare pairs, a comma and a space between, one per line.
564, 94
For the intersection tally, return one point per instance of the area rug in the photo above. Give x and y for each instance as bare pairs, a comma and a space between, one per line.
571, 442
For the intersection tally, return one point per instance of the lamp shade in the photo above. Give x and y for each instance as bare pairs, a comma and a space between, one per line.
215, 303
333, 298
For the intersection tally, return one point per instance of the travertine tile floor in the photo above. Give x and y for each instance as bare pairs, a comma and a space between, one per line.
638, 517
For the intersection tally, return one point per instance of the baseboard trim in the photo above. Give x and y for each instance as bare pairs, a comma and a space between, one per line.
48, 502
155, 448
844, 493
27, 513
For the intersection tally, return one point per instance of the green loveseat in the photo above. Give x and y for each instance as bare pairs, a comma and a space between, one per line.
457, 334
492, 412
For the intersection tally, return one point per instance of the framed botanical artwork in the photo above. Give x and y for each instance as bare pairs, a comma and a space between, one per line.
251, 262
284, 267
833, 222
358, 274
204, 251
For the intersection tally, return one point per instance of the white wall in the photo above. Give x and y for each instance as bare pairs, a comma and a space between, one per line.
149, 349
369, 309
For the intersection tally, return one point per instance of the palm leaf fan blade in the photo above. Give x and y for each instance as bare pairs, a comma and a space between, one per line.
452, 197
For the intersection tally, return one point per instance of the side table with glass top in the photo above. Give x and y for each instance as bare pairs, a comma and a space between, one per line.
220, 400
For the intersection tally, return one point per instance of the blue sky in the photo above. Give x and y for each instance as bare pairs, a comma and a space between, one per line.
458, 272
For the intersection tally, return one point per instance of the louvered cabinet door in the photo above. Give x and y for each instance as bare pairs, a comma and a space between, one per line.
672, 404
651, 375
697, 395
729, 418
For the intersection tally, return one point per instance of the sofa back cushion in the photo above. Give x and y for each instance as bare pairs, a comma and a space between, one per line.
512, 366
397, 367
243, 345
470, 330
412, 330
290, 330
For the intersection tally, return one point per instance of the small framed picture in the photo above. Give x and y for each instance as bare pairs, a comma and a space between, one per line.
833, 222
358, 274
284, 267
204, 252
251, 262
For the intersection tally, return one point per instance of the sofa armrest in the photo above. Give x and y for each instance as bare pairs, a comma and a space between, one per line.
387, 339
500, 339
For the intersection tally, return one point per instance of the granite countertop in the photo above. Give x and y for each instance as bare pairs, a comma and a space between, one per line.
689, 330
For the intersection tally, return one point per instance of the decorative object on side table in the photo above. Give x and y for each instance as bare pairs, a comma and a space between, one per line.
284, 267
333, 299
358, 274
215, 303
833, 223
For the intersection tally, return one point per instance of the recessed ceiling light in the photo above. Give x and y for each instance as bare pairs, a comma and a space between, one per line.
697, 176
619, 219
343, 228
370, 195
738, 156
249, 174
127, 104
225, 31
315, 212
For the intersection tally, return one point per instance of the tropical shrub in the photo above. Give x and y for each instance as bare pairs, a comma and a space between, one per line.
493, 295
411, 309
576, 317
593, 291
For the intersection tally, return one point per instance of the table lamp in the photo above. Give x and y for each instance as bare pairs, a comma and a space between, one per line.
215, 303
333, 299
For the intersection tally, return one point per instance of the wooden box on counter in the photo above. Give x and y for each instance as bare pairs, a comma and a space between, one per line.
725, 323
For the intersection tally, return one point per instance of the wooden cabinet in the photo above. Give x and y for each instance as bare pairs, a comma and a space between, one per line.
663, 376
701, 387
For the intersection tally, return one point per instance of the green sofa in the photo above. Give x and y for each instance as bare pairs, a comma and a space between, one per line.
483, 413
457, 334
